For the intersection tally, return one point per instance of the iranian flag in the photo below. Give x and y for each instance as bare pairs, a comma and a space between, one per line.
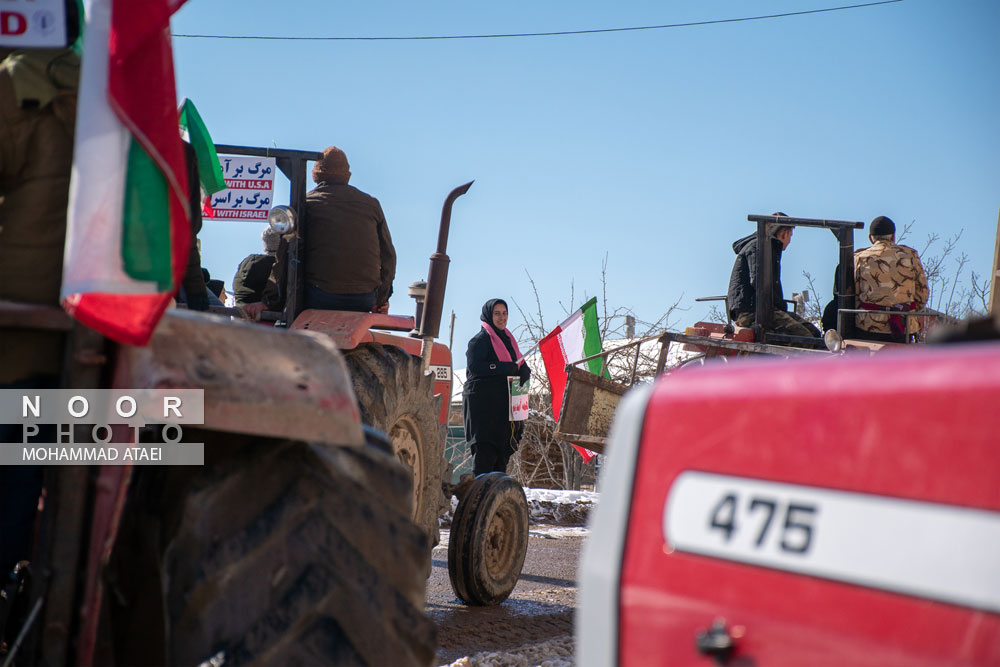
194, 131
128, 229
578, 337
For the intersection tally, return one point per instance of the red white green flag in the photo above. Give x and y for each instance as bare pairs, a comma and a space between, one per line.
576, 338
194, 131
128, 230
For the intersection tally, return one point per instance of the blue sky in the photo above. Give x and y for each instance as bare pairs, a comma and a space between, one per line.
650, 147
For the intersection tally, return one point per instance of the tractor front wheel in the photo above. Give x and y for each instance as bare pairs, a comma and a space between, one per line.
489, 539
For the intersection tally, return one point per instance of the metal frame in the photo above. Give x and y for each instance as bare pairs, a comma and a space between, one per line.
668, 337
590, 400
843, 230
292, 164
995, 277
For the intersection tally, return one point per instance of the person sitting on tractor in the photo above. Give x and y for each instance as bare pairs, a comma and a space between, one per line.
251, 277
889, 277
742, 295
350, 261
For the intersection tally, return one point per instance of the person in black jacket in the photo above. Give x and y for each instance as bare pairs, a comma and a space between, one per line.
194, 290
491, 358
253, 272
742, 295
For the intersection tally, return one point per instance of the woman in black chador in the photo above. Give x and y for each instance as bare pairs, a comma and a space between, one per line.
492, 357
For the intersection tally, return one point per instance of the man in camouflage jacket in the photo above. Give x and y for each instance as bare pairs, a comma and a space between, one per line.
889, 278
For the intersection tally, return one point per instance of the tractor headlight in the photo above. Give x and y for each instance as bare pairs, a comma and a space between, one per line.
833, 340
282, 219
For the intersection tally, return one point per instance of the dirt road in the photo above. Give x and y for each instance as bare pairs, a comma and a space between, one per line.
540, 608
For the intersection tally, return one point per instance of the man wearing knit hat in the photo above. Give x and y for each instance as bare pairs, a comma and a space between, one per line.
350, 261
889, 278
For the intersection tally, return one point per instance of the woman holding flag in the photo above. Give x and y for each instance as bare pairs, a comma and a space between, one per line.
492, 357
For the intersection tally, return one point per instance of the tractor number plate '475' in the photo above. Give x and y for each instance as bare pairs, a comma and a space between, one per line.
856, 538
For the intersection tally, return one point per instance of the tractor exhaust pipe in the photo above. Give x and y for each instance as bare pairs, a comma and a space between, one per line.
437, 279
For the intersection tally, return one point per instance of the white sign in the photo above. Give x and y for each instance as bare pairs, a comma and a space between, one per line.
250, 189
519, 406
32, 23
930, 550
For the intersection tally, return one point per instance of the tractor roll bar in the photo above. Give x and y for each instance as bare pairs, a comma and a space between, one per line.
255, 151
292, 164
842, 229
806, 222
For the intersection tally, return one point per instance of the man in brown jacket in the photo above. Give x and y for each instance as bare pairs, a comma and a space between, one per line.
350, 261
889, 279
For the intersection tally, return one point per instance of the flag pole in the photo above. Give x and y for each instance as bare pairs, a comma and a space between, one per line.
521, 358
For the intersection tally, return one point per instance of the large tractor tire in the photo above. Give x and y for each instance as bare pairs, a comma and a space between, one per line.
397, 397
488, 541
293, 553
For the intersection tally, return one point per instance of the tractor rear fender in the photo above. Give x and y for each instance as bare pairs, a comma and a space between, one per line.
348, 330
257, 380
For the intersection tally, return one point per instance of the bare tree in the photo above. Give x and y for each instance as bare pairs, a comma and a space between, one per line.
953, 292
545, 461
978, 301
814, 306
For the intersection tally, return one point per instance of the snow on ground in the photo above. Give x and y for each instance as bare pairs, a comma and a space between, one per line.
551, 507
561, 508
555, 532
553, 653
544, 532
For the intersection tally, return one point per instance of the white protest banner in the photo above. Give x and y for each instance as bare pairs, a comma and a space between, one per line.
32, 23
250, 189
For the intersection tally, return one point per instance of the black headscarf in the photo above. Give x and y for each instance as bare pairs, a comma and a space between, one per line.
487, 316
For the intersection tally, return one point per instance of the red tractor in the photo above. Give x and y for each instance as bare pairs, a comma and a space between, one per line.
809, 512
831, 509
304, 538
386, 355
402, 380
